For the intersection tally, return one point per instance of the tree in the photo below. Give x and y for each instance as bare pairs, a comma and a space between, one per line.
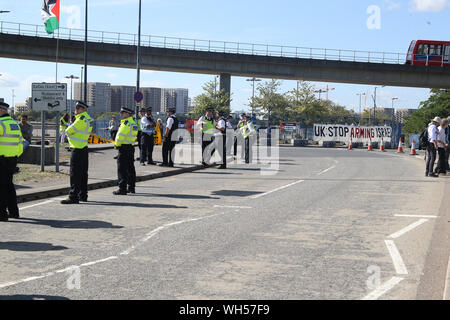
438, 104
271, 101
211, 98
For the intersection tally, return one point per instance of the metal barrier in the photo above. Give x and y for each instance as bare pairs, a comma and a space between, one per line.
205, 45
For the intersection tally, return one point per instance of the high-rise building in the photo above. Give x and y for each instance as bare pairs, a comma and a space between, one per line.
402, 114
98, 96
152, 98
175, 98
122, 96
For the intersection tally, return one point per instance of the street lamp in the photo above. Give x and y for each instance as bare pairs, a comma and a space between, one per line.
253, 95
374, 97
71, 77
393, 99
360, 97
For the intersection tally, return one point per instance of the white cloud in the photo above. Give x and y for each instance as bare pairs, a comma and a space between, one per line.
74, 19
392, 5
430, 5
9, 81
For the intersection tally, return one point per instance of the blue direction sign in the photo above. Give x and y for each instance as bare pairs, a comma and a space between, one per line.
138, 96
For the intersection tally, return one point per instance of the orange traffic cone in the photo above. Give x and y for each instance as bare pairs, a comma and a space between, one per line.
370, 148
382, 146
413, 148
400, 146
350, 145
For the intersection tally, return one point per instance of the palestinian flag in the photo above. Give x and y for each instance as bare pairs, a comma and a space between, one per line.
50, 15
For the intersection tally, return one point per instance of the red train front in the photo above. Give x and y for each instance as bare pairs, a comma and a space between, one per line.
429, 53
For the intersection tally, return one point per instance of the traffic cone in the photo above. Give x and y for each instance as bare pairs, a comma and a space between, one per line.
370, 148
382, 146
350, 145
400, 146
413, 148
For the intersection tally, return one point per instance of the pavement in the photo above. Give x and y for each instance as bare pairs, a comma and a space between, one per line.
326, 224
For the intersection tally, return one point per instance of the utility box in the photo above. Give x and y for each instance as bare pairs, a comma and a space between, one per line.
32, 155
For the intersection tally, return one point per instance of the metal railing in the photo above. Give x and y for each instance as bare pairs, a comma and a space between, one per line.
205, 45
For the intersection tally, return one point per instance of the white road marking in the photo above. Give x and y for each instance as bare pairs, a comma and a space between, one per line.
412, 226
415, 216
326, 170
275, 190
98, 261
37, 204
385, 287
447, 282
399, 265
154, 232
232, 207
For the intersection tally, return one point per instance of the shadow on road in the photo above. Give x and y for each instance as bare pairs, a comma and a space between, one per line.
136, 205
71, 224
31, 297
235, 193
29, 246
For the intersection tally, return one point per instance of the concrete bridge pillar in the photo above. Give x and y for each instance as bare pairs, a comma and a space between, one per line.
225, 83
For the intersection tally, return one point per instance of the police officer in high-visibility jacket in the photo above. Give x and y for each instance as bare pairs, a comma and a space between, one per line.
78, 135
63, 125
207, 124
11, 148
125, 141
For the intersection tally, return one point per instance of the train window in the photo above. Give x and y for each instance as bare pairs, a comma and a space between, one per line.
435, 50
420, 49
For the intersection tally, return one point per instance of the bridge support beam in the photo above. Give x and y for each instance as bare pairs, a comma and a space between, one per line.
225, 83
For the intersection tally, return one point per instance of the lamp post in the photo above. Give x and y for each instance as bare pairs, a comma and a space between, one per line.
138, 53
71, 77
253, 94
360, 103
84, 97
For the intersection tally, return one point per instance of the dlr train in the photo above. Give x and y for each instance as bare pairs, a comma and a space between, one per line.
429, 53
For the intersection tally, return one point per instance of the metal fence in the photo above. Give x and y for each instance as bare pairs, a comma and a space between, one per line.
206, 45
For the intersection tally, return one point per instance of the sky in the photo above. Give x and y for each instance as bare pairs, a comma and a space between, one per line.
367, 25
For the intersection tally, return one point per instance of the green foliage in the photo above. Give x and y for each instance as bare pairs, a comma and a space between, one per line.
438, 104
107, 116
211, 98
271, 101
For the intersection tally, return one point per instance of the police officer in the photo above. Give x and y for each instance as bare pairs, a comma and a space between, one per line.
247, 129
148, 125
230, 135
222, 138
206, 123
78, 135
168, 144
239, 138
11, 148
139, 136
63, 125
125, 140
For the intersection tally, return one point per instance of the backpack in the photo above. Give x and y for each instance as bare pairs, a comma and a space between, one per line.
423, 140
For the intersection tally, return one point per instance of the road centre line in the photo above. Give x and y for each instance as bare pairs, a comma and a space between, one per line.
385, 287
399, 265
232, 207
412, 226
37, 204
326, 170
275, 190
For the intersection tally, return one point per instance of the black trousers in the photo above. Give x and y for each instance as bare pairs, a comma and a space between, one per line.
441, 165
147, 144
113, 134
79, 166
222, 148
139, 138
447, 156
8, 197
248, 151
207, 139
167, 149
126, 171
430, 159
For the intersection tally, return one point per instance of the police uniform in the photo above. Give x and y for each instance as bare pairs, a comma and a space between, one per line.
11, 148
168, 144
222, 139
147, 139
78, 135
125, 140
139, 134
246, 130
62, 129
207, 136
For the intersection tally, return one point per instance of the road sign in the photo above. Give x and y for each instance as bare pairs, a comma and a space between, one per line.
138, 96
49, 96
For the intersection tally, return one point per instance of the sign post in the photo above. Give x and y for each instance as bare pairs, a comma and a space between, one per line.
49, 97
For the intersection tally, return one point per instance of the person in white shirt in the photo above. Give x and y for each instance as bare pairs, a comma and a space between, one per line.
441, 167
432, 146
168, 144
222, 138
148, 125
230, 135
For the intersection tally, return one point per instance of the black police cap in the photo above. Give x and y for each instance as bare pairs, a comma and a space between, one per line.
81, 104
173, 110
4, 105
127, 110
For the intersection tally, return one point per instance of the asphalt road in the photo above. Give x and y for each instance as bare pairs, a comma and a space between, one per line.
330, 224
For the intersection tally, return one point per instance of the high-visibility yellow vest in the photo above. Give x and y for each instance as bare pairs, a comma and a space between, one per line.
208, 128
139, 124
127, 133
10, 138
246, 129
63, 125
78, 133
